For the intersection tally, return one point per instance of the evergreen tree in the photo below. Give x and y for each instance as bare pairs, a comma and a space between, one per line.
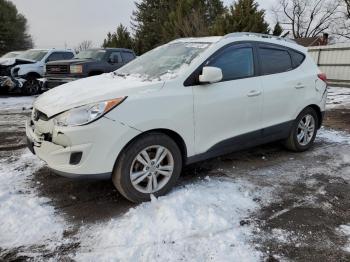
277, 31
13, 29
243, 16
158, 21
192, 18
121, 38
148, 20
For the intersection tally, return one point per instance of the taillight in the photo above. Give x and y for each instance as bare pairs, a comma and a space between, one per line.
323, 77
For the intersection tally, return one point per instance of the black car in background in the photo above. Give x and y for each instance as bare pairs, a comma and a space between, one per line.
87, 63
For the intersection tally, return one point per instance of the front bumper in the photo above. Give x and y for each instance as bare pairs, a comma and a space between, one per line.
52, 82
11, 83
98, 144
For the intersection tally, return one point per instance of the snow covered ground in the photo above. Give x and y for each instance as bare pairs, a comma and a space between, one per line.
25, 218
16, 102
338, 97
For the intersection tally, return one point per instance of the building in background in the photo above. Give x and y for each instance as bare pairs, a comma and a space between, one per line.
334, 60
314, 41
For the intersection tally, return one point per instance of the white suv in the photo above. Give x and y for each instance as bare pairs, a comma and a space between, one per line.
183, 102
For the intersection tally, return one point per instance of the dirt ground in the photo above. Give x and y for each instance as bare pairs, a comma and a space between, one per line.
300, 225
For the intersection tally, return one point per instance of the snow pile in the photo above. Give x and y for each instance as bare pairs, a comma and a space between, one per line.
338, 97
345, 230
16, 102
333, 136
25, 219
199, 222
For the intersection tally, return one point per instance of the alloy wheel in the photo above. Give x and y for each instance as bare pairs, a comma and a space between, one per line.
151, 169
306, 130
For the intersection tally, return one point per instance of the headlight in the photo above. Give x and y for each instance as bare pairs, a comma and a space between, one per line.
76, 69
86, 114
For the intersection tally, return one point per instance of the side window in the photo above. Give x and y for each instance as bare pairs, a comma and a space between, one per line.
68, 55
274, 60
297, 58
235, 62
115, 58
127, 56
55, 56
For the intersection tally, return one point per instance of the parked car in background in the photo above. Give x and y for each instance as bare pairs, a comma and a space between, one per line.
23, 72
183, 102
87, 63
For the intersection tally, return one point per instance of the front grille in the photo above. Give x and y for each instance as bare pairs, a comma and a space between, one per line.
57, 69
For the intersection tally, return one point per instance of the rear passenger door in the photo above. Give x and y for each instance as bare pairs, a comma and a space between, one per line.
283, 87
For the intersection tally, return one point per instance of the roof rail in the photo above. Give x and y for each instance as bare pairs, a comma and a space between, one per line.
259, 35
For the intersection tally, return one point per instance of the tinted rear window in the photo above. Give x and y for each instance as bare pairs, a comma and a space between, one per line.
274, 60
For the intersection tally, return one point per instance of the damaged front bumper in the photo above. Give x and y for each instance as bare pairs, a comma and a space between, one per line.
11, 83
81, 151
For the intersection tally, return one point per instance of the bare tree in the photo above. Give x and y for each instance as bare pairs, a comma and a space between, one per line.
84, 45
347, 6
309, 18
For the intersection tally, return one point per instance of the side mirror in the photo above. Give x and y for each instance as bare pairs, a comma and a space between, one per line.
210, 75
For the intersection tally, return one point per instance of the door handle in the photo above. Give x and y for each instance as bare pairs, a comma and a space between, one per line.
254, 93
299, 86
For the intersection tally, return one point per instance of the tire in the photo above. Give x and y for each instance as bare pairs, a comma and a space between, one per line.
296, 141
31, 86
145, 172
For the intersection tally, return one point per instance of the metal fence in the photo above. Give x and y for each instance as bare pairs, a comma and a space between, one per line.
334, 60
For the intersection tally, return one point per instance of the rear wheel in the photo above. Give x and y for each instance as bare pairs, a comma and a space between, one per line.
31, 86
149, 165
303, 132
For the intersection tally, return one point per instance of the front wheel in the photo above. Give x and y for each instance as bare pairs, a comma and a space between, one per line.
31, 86
149, 165
304, 130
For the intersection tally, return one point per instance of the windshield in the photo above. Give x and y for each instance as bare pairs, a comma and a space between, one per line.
10, 55
91, 54
35, 55
163, 62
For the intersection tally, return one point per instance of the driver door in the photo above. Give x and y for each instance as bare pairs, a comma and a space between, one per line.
230, 111
115, 61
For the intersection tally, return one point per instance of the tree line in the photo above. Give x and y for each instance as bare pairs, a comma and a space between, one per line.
155, 22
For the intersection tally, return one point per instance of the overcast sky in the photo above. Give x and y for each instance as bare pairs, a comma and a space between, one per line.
56, 23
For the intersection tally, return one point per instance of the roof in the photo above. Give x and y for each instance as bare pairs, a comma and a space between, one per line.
112, 48
208, 39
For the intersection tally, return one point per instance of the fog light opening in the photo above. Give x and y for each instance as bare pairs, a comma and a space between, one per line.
75, 158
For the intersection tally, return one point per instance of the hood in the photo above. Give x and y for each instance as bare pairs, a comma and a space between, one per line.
14, 61
91, 90
7, 61
71, 62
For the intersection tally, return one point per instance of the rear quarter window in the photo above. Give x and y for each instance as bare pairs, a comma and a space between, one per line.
274, 60
297, 58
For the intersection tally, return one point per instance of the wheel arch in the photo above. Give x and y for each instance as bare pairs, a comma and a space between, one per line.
172, 134
319, 114
95, 73
33, 74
